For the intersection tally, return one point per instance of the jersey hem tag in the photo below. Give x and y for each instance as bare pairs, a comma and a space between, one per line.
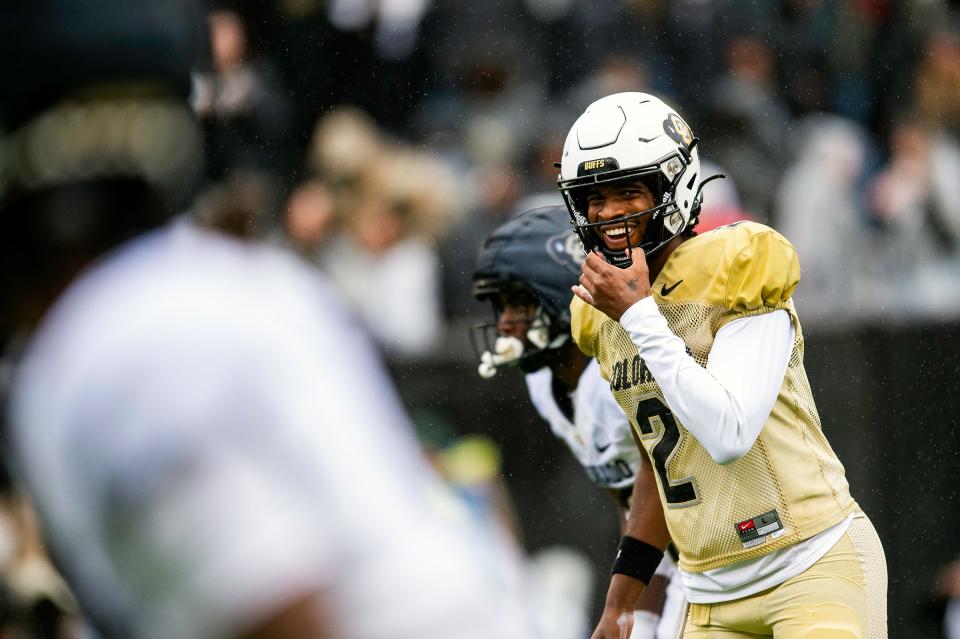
757, 530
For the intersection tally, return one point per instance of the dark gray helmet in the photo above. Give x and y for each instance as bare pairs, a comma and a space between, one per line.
536, 252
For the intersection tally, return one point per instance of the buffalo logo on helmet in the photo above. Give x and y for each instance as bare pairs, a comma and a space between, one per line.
677, 129
566, 250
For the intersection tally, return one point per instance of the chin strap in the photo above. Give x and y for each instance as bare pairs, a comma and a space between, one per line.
507, 350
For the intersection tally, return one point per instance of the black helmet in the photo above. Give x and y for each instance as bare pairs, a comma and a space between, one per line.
536, 253
97, 139
96, 89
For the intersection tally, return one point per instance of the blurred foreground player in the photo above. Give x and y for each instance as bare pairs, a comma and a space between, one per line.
701, 343
211, 445
526, 268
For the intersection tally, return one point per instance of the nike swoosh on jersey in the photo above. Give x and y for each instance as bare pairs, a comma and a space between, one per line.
665, 290
600, 448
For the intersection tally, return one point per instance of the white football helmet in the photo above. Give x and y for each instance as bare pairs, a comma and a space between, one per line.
629, 136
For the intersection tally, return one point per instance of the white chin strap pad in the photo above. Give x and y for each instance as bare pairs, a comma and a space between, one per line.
507, 350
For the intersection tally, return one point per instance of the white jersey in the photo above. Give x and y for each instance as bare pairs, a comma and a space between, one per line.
599, 435
207, 436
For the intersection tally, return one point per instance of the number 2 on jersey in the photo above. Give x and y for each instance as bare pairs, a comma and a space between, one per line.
678, 493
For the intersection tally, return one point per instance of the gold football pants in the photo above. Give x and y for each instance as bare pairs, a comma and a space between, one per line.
842, 596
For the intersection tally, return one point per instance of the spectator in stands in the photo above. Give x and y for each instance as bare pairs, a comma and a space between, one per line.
497, 189
819, 208
938, 79
241, 103
915, 201
310, 219
393, 205
751, 118
805, 26
388, 275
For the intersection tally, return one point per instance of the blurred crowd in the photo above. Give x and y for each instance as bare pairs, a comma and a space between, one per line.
383, 140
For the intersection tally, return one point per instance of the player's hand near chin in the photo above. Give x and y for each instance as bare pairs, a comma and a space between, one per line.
610, 289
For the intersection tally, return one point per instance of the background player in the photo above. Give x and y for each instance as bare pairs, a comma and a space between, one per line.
770, 540
211, 444
525, 269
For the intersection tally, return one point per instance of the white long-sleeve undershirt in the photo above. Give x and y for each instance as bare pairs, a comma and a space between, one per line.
725, 405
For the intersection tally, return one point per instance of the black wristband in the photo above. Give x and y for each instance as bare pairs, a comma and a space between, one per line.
636, 559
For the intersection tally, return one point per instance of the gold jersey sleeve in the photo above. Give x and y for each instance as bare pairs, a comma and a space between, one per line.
790, 484
585, 323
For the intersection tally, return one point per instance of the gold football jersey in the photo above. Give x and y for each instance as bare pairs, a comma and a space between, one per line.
790, 484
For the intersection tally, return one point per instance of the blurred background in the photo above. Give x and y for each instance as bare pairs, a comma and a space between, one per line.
383, 140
